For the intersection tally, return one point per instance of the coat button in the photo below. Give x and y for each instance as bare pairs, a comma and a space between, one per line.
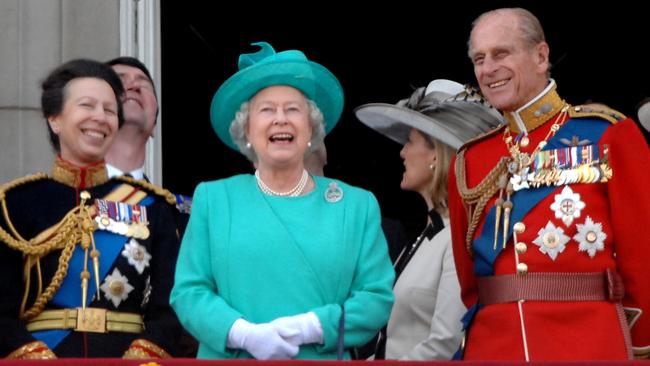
521, 247
519, 227
522, 268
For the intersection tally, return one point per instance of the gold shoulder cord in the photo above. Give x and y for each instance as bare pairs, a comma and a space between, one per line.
167, 195
596, 110
477, 198
76, 226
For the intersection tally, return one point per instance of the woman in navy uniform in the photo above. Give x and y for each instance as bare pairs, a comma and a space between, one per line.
68, 233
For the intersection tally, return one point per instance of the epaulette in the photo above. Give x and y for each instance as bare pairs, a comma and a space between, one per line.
160, 191
481, 137
596, 110
19, 182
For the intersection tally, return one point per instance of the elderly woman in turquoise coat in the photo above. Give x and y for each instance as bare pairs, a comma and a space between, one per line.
281, 264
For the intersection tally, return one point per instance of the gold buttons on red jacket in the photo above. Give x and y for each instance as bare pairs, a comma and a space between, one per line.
519, 227
521, 247
522, 268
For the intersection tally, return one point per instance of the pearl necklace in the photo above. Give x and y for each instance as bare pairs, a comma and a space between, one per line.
293, 192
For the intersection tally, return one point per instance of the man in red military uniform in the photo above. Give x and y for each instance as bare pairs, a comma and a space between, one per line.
549, 213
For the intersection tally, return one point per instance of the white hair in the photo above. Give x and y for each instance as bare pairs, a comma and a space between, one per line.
239, 124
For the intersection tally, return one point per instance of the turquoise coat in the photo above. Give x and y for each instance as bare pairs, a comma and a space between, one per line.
247, 254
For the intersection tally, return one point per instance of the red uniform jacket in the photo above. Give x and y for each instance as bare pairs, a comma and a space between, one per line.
613, 215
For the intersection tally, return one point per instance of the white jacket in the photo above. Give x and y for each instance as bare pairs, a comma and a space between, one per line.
425, 322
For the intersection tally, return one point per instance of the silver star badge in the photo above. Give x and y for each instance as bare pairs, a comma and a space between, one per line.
116, 287
551, 240
590, 237
567, 205
137, 255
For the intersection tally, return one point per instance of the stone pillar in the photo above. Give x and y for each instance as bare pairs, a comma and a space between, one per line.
35, 37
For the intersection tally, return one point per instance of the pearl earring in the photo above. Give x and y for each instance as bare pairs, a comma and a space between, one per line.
248, 145
308, 143
431, 166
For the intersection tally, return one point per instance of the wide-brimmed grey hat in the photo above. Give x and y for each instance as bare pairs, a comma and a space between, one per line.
445, 110
643, 113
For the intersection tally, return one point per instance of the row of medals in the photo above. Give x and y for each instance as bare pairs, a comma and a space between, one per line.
134, 229
586, 173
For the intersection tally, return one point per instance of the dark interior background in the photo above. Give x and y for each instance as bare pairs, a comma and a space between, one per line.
379, 54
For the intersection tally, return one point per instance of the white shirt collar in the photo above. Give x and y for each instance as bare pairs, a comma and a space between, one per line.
115, 172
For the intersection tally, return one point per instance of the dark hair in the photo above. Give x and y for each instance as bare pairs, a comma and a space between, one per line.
54, 89
133, 62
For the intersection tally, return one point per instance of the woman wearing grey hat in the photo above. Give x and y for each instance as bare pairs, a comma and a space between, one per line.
281, 264
425, 320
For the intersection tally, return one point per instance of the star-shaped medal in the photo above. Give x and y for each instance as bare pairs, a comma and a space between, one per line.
137, 255
567, 205
551, 240
590, 237
116, 287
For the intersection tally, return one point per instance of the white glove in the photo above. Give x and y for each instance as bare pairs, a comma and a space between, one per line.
306, 327
262, 341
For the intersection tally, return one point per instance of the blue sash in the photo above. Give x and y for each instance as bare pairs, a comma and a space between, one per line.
110, 246
467, 321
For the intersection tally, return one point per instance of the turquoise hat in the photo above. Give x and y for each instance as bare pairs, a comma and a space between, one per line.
267, 68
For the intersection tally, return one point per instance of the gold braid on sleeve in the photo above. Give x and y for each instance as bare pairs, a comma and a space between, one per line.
142, 348
75, 227
36, 350
475, 199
